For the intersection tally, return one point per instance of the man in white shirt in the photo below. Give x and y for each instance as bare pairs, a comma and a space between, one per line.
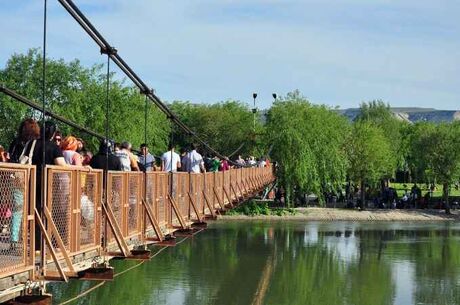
170, 160
195, 163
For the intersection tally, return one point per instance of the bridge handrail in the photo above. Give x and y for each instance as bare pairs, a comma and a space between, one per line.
74, 201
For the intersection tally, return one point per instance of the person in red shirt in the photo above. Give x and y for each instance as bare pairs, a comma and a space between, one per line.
224, 166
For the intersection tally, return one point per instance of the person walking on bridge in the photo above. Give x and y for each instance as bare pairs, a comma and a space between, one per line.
195, 163
105, 159
170, 160
69, 150
146, 159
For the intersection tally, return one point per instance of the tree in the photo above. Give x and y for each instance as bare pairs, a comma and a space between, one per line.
436, 149
225, 126
380, 115
307, 143
79, 94
369, 155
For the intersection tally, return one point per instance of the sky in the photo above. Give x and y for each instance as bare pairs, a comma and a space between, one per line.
336, 52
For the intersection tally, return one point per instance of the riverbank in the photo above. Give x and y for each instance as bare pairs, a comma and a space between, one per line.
329, 214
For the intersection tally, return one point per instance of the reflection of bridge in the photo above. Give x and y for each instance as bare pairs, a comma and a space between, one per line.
81, 232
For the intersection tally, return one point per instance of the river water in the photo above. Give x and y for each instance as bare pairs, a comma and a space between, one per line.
291, 262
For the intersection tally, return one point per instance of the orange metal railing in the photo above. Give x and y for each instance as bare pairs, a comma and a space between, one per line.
74, 202
74, 216
17, 201
125, 193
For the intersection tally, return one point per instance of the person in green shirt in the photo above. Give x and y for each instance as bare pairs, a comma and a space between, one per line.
215, 165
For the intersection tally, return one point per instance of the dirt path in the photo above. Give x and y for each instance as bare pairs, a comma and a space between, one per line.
327, 214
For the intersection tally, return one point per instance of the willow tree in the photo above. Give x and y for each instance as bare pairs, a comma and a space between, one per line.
369, 154
380, 114
307, 142
436, 151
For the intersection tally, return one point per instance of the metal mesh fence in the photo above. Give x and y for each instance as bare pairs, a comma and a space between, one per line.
196, 191
173, 185
89, 218
161, 209
150, 196
226, 185
208, 185
239, 179
233, 180
182, 183
116, 189
60, 205
218, 186
134, 197
15, 236
74, 200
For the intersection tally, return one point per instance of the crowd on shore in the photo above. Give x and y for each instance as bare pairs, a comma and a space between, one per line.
383, 197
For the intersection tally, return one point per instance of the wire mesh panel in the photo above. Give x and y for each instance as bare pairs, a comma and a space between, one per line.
161, 201
181, 189
89, 206
246, 173
252, 180
196, 191
218, 186
233, 180
74, 202
132, 205
226, 184
150, 196
59, 202
239, 179
16, 205
116, 189
173, 186
208, 188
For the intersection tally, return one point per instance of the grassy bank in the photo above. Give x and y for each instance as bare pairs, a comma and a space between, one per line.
262, 211
437, 193
253, 208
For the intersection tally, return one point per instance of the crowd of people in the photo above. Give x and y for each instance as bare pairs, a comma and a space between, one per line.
27, 148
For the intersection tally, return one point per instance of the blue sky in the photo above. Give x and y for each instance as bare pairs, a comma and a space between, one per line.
336, 52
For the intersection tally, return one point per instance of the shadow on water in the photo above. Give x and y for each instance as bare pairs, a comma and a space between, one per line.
293, 263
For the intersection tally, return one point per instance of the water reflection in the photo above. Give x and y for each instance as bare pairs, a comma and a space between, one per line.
294, 263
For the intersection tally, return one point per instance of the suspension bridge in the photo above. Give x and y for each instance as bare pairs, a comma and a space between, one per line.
90, 216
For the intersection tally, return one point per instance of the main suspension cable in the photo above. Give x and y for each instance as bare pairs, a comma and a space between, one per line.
20, 98
106, 48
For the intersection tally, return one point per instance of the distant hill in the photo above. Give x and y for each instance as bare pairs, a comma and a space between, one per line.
412, 114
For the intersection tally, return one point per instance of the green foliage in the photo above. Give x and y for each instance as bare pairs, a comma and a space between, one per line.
307, 142
79, 94
369, 153
253, 208
436, 153
436, 148
380, 115
225, 126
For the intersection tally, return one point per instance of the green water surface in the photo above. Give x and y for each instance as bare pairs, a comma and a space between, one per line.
290, 262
